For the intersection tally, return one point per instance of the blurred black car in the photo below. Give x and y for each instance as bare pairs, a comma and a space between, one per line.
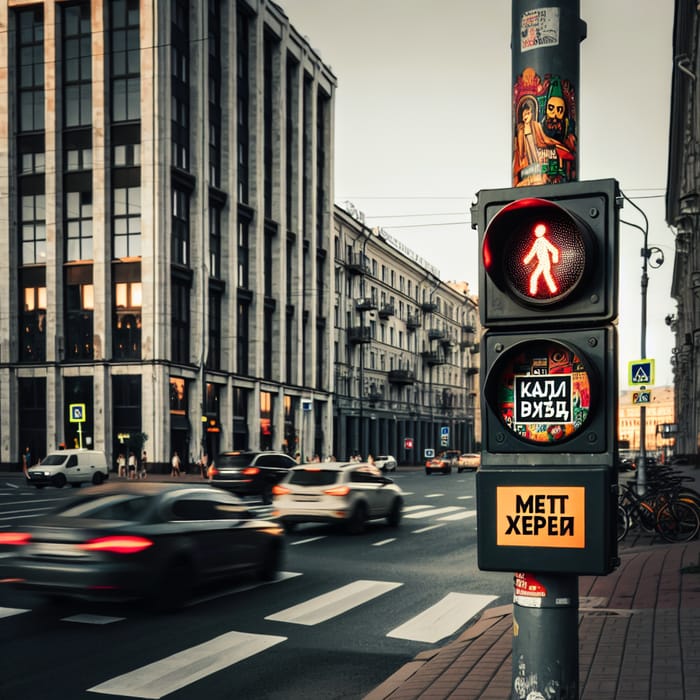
250, 473
157, 541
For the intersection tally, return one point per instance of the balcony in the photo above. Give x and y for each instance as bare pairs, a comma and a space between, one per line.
386, 311
366, 304
358, 265
436, 334
429, 306
359, 334
403, 377
433, 357
413, 321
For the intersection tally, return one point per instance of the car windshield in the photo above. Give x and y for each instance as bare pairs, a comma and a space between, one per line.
241, 460
313, 477
53, 460
114, 507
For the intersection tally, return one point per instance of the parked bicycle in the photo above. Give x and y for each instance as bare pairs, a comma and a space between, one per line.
666, 507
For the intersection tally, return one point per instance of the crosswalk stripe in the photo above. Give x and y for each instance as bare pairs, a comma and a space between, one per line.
433, 511
443, 618
426, 529
86, 619
328, 605
459, 516
9, 612
185, 667
309, 539
420, 506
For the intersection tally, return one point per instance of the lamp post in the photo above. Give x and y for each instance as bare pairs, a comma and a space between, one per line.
646, 254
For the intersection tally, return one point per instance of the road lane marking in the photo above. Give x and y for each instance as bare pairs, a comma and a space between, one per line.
308, 539
9, 612
281, 576
425, 529
86, 619
459, 516
328, 605
464, 498
442, 619
383, 542
433, 495
185, 667
433, 511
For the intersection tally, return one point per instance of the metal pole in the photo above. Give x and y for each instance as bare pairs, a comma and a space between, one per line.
545, 77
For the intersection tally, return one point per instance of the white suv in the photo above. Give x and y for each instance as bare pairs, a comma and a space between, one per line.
337, 492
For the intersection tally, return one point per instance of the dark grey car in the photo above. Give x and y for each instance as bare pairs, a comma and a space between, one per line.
250, 473
140, 540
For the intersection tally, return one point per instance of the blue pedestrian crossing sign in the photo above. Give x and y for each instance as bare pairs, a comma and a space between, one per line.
77, 413
641, 372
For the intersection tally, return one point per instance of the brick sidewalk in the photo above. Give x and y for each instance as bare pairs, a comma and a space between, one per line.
639, 638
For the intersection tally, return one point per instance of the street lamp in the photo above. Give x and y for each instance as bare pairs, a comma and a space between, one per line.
647, 262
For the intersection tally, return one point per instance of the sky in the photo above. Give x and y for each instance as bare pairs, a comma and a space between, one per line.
423, 122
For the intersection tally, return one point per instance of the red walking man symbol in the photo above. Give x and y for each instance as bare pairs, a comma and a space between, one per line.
547, 255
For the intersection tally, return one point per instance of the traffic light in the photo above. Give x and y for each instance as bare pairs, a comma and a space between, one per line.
548, 289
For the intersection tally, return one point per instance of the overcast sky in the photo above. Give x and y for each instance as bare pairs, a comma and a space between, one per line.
423, 122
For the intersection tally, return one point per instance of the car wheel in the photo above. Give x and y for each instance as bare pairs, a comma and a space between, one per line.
459, 470
173, 587
358, 518
289, 527
271, 563
98, 478
394, 517
428, 472
59, 480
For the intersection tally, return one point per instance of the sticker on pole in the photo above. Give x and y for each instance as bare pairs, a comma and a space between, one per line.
541, 391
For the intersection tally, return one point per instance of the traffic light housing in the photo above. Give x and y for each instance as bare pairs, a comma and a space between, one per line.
548, 301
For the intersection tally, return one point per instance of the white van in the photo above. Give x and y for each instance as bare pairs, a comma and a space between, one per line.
72, 467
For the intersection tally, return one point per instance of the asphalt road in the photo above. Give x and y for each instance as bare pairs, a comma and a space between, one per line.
345, 613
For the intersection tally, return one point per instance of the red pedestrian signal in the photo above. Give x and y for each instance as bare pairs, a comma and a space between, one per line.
557, 250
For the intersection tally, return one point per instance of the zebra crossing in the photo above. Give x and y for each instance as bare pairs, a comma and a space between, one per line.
173, 672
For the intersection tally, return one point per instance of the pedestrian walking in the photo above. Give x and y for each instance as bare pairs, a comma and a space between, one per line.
121, 465
132, 465
143, 470
26, 461
175, 464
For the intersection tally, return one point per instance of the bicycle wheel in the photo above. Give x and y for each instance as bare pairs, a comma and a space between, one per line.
677, 522
623, 522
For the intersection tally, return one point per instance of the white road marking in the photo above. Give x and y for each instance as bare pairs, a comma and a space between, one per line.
459, 516
328, 605
425, 529
443, 618
281, 576
179, 670
93, 619
433, 511
464, 498
434, 495
308, 539
422, 506
9, 612
383, 542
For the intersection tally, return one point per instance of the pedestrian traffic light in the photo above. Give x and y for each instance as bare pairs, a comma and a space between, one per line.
548, 301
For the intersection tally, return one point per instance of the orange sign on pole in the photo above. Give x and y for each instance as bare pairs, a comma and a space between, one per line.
541, 516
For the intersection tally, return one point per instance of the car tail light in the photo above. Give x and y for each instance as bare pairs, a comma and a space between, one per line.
337, 491
278, 490
14, 538
251, 471
124, 544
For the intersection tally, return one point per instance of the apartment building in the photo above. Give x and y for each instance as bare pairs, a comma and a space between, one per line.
406, 349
